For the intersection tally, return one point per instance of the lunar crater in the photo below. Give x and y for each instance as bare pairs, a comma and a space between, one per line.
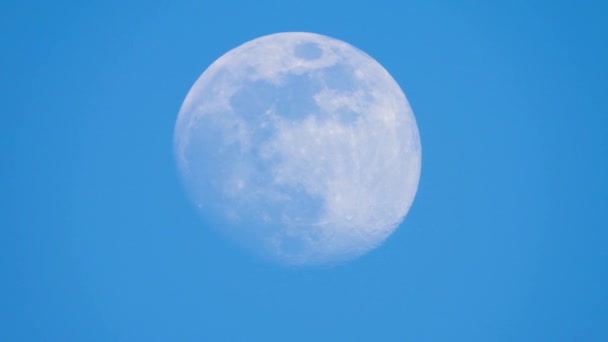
308, 51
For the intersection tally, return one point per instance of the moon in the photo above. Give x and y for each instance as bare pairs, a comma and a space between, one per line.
299, 147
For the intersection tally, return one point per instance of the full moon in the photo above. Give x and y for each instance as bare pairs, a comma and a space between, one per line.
299, 147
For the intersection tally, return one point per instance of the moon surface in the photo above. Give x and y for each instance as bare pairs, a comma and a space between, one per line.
300, 147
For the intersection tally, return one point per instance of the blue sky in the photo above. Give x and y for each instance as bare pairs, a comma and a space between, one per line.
506, 241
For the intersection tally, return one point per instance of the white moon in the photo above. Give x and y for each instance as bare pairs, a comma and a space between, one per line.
300, 147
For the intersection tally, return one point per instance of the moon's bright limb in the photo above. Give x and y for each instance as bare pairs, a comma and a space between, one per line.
301, 147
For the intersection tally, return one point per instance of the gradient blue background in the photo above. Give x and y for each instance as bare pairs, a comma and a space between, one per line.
507, 239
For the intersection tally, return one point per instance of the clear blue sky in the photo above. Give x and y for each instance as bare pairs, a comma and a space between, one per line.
507, 239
